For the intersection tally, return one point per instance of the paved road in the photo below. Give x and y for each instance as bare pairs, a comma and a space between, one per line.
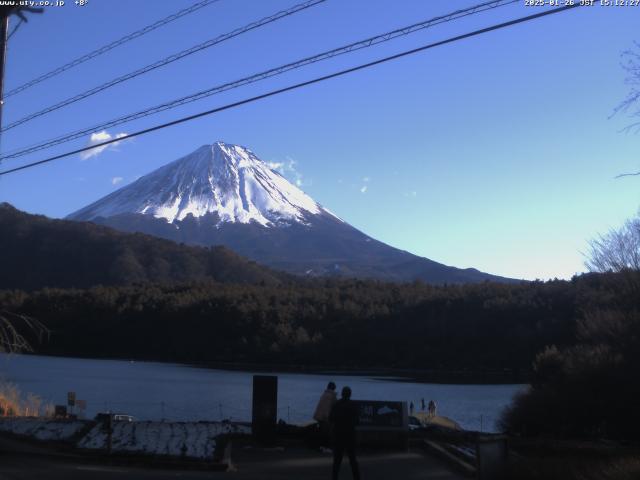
306, 464
24, 462
406, 466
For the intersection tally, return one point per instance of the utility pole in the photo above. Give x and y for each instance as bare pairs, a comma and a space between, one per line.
4, 33
5, 13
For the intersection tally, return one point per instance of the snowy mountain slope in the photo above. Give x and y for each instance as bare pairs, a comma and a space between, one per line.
223, 194
228, 180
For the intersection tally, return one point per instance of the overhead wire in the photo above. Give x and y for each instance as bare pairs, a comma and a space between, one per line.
301, 84
165, 61
368, 42
110, 46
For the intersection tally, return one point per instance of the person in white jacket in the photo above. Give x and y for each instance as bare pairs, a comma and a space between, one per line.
325, 404
323, 410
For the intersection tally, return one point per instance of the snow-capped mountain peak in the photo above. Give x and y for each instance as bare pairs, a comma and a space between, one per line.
225, 179
223, 194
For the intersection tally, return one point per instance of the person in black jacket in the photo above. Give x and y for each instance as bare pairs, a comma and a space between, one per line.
343, 420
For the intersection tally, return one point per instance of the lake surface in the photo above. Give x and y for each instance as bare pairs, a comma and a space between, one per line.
154, 391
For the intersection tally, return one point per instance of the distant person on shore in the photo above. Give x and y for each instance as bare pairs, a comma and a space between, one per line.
432, 409
323, 409
344, 419
422, 400
411, 408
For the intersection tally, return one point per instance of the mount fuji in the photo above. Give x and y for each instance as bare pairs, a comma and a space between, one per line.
223, 194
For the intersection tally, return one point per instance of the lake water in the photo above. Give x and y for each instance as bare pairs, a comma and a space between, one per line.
149, 390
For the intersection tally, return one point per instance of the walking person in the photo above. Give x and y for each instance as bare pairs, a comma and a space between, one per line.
411, 408
422, 400
344, 419
323, 409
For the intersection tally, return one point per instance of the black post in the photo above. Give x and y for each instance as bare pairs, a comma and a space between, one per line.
265, 407
110, 434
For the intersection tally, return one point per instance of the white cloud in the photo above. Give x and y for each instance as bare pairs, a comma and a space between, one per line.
289, 169
101, 137
275, 165
365, 187
116, 180
412, 194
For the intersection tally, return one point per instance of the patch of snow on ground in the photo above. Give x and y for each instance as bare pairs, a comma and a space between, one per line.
42, 429
188, 439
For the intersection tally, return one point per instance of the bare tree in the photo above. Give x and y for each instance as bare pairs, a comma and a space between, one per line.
631, 104
616, 251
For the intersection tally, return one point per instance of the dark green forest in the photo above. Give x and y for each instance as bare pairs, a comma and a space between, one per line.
320, 323
589, 388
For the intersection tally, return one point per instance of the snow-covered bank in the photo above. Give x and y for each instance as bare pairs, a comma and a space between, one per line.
194, 440
175, 439
43, 429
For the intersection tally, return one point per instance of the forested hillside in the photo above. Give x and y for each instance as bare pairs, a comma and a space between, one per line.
37, 252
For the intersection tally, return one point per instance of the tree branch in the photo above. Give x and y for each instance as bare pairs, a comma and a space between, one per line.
634, 174
11, 338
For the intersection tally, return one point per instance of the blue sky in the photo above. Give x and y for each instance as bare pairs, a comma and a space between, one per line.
496, 152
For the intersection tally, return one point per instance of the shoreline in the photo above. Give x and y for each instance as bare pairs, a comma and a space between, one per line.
441, 376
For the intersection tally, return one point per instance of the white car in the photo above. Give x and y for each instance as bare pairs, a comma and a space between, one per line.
119, 417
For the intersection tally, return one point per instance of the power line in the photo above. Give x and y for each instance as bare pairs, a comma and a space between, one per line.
385, 37
167, 60
300, 85
104, 49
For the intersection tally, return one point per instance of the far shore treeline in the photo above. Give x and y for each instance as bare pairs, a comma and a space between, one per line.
322, 323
